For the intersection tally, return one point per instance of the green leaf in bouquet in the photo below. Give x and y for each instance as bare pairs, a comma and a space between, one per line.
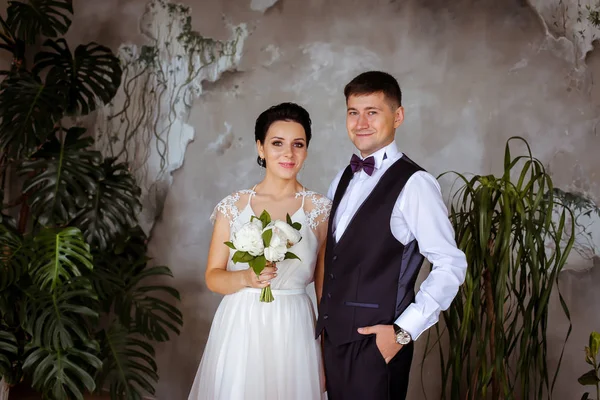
265, 218
590, 378
230, 245
267, 235
291, 256
258, 264
288, 219
296, 225
242, 257
586, 396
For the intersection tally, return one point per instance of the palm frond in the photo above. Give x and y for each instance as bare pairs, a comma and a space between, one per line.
513, 237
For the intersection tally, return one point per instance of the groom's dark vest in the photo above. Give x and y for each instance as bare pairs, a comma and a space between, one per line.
369, 275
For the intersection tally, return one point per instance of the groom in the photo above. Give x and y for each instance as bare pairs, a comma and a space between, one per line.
387, 215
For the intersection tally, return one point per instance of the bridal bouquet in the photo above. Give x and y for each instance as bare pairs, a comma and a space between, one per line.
261, 241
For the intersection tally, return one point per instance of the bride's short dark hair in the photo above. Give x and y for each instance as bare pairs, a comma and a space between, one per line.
281, 112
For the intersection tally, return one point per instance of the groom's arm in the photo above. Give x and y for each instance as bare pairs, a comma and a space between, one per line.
421, 209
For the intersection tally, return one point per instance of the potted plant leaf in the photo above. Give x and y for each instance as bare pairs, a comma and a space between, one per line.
516, 238
80, 302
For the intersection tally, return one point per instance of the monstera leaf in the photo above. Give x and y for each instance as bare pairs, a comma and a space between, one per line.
14, 256
63, 176
92, 72
63, 374
111, 266
140, 309
113, 208
29, 109
29, 19
59, 319
128, 364
8, 349
12, 44
60, 256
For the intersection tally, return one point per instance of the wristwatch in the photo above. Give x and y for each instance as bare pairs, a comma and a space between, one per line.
402, 337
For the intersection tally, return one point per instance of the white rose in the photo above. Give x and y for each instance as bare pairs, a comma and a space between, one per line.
249, 238
277, 247
292, 235
275, 254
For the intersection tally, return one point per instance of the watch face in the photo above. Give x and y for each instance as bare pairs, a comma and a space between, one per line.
402, 338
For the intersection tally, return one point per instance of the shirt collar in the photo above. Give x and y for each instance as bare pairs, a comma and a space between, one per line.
390, 151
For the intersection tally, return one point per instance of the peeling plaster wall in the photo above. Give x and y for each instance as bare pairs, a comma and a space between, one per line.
473, 73
145, 124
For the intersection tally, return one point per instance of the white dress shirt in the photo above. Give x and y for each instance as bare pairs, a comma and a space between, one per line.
419, 213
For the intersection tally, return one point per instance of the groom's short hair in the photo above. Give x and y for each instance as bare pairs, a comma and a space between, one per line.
373, 82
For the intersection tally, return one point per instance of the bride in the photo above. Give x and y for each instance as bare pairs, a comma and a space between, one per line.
257, 350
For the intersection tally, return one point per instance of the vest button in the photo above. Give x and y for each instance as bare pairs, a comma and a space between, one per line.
329, 295
325, 316
332, 276
334, 258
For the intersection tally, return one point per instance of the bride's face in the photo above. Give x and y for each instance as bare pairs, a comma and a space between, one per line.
284, 149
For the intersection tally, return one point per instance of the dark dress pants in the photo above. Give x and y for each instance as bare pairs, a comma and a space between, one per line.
358, 371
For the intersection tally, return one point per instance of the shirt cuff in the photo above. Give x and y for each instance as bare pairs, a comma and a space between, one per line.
413, 322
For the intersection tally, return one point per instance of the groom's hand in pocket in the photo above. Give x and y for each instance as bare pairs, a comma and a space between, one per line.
385, 339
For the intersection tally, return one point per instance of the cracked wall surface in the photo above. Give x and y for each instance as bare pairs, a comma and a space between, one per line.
146, 123
473, 73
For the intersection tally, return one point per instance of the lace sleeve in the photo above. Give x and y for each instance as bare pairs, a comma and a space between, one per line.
318, 208
228, 207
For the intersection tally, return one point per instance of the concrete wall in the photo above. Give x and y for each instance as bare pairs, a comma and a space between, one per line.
473, 73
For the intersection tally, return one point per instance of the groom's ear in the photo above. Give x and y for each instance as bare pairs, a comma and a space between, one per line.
398, 116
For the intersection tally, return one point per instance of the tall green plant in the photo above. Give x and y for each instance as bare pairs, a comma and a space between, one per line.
74, 255
510, 228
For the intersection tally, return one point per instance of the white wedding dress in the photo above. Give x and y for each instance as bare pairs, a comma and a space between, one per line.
267, 351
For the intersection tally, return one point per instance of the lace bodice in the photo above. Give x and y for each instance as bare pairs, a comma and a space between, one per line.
316, 207
292, 274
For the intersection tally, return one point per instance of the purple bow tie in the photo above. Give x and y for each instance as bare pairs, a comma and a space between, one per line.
368, 164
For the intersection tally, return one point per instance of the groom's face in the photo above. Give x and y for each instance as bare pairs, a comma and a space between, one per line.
371, 121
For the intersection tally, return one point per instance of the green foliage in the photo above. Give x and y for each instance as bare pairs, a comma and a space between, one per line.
511, 230
129, 364
29, 109
592, 377
112, 208
92, 71
76, 255
62, 175
30, 19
